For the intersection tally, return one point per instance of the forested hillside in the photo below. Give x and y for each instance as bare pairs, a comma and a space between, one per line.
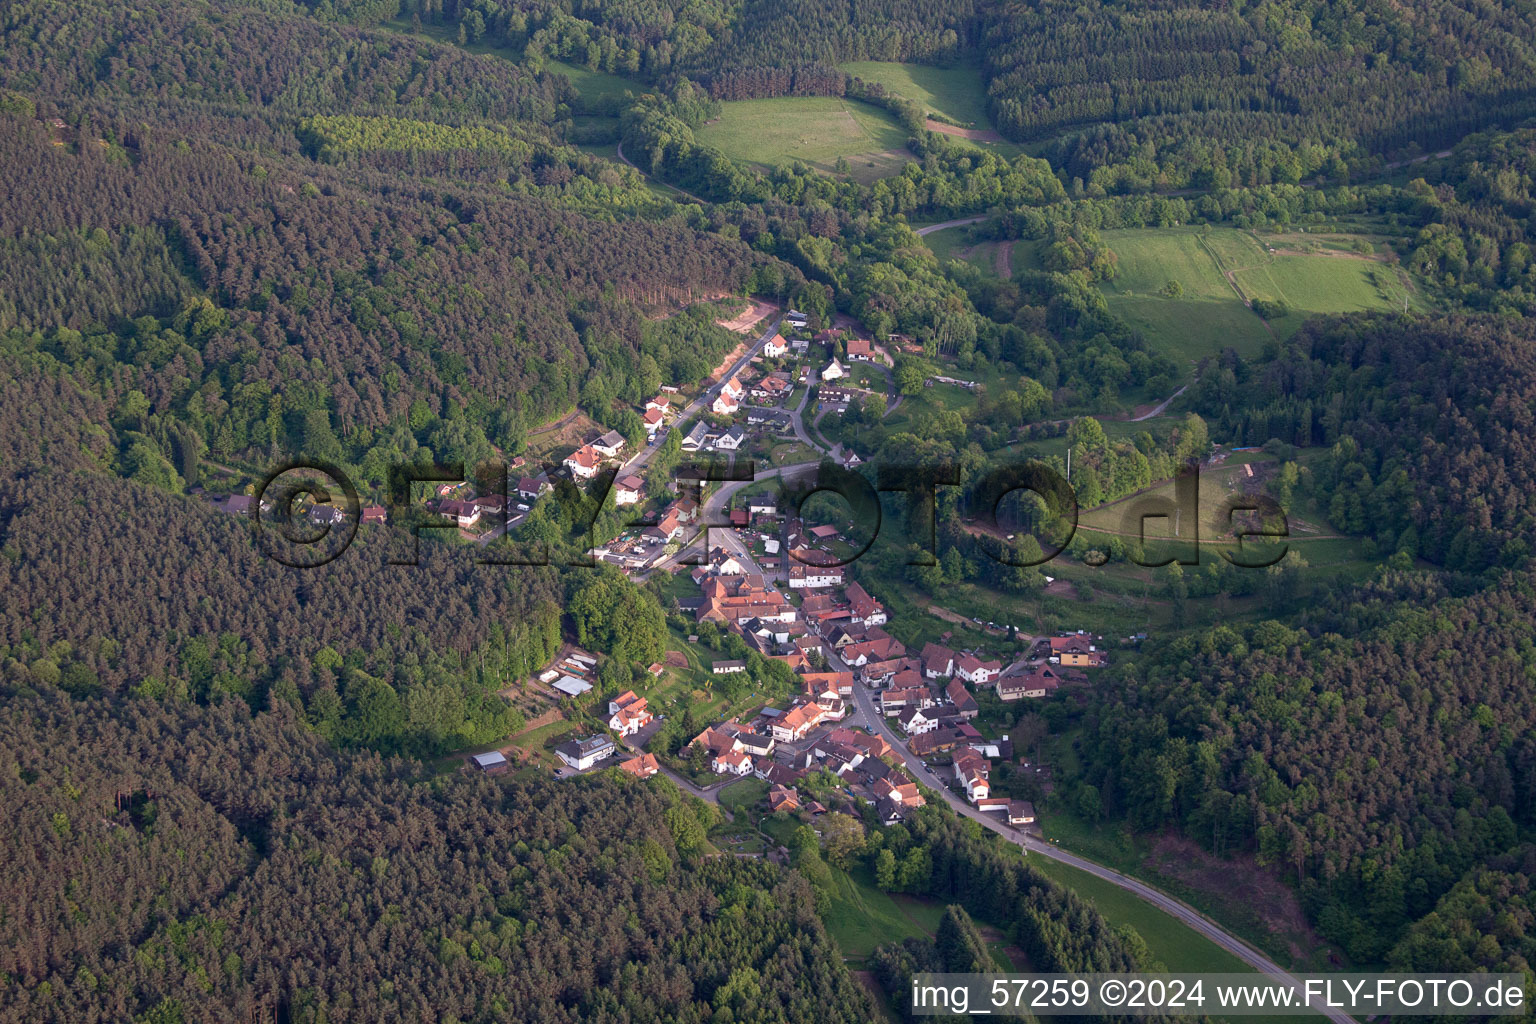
1376, 757
1173, 93
1429, 422
194, 864
1242, 94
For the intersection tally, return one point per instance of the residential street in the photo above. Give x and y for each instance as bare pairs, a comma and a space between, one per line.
704, 401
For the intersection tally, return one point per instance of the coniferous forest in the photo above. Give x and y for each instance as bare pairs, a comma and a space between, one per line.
385, 232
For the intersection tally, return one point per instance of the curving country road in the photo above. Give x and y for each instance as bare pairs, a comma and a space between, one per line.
619, 149
960, 223
1160, 408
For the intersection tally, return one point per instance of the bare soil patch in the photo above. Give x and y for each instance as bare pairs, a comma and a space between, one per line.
571, 431
747, 318
1245, 890
974, 134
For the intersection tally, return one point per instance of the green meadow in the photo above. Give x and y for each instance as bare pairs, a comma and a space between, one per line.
1216, 270
956, 94
814, 129
594, 87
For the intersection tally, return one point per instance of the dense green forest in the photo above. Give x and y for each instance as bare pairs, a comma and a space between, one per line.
200, 864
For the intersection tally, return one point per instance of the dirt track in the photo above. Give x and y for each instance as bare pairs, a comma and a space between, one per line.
974, 134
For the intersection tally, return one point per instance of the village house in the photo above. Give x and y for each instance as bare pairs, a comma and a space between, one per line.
724, 668
971, 771
938, 661
735, 762
531, 488
858, 349
840, 683
830, 395
914, 722
583, 462
882, 648
731, 440
584, 753
642, 767
665, 531
628, 714
878, 673
609, 445
774, 773
833, 370
1077, 650
721, 563
462, 513
491, 505
864, 609
697, 437
326, 515
1027, 682
809, 645
729, 399
795, 723
993, 805
965, 704
717, 740
732, 600
775, 346
374, 514
975, 671
797, 319
241, 504
782, 798
899, 789
814, 577
931, 743
749, 739
628, 490
894, 701
653, 419
1021, 812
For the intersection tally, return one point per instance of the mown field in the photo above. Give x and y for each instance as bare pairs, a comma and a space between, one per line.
1209, 314
815, 129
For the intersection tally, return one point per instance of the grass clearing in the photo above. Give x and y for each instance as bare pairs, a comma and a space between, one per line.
861, 918
1210, 315
956, 93
1205, 319
951, 244
1327, 284
743, 795
1172, 942
814, 129
594, 87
